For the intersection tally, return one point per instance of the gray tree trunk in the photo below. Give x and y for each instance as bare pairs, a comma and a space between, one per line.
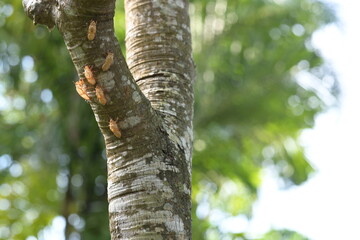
149, 101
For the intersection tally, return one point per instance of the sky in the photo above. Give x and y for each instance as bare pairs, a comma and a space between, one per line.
326, 207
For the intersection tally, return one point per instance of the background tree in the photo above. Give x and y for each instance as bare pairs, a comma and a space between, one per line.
250, 108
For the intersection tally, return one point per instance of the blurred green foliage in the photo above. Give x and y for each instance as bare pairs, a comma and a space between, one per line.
250, 109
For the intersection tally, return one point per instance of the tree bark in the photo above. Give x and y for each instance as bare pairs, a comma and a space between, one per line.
149, 166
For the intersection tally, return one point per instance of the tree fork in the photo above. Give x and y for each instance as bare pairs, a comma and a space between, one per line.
149, 166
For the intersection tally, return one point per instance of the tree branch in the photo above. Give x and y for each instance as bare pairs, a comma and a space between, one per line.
159, 55
125, 101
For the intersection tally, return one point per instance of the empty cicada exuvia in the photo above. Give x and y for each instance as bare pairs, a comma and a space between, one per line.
89, 75
113, 125
81, 89
108, 61
100, 95
91, 30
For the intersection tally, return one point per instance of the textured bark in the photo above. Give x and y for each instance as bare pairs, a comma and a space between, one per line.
149, 167
158, 47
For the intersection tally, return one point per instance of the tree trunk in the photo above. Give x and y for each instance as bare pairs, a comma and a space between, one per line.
151, 100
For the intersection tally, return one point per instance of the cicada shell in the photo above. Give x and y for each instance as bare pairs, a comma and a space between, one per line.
108, 61
113, 125
89, 75
81, 89
100, 95
91, 30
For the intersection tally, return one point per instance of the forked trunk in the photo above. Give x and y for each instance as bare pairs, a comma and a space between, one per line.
144, 111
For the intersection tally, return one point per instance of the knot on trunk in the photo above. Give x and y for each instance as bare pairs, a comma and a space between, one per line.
41, 11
